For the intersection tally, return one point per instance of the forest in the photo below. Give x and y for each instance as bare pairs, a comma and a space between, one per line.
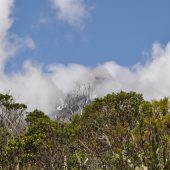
121, 131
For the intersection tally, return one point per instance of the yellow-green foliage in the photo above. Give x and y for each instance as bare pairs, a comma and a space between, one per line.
119, 131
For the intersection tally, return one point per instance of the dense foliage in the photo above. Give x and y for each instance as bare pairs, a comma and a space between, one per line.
120, 131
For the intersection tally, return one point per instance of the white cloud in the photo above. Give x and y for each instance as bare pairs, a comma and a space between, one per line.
71, 11
42, 90
32, 87
5, 19
10, 43
5, 24
16, 43
28, 42
44, 20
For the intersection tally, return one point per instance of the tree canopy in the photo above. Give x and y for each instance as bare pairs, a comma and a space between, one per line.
120, 131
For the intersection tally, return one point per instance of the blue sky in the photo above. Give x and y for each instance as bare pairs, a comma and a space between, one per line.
114, 30
52, 48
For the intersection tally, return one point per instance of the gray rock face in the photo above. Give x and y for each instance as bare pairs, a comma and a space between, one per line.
73, 103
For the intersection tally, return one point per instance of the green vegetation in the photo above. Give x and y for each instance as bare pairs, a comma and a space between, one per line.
120, 131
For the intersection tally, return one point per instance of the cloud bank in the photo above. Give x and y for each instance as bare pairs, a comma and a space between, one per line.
43, 89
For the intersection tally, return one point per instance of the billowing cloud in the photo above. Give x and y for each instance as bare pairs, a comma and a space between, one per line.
43, 90
5, 24
150, 79
10, 43
71, 11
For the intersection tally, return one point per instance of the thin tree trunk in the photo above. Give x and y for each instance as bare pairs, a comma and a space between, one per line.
65, 163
